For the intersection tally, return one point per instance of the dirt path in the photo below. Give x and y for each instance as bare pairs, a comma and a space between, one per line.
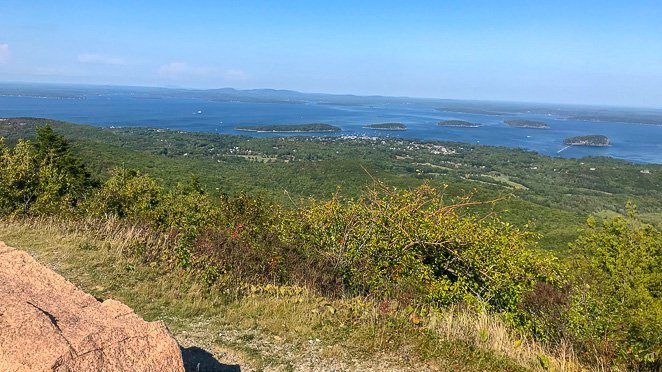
246, 351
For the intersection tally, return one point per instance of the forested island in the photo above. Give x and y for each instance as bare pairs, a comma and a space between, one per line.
458, 123
290, 128
471, 110
386, 126
523, 123
590, 140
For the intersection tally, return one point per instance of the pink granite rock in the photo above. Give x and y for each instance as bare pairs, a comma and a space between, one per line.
47, 324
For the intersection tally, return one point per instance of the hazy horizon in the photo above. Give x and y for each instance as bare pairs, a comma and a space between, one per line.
494, 101
584, 53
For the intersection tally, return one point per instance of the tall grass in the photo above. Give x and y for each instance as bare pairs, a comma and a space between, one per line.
489, 331
481, 330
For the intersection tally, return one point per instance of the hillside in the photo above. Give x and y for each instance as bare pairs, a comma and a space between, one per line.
427, 252
555, 194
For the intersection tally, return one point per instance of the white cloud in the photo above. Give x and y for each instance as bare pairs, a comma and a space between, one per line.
100, 59
4, 53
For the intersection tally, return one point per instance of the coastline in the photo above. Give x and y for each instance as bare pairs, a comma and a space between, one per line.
459, 126
387, 129
286, 131
587, 145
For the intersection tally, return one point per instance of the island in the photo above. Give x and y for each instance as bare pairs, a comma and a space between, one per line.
458, 123
290, 128
386, 126
590, 140
470, 110
523, 123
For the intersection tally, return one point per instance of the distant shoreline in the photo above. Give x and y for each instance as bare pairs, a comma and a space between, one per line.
290, 128
386, 129
458, 124
386, 126
525, 123
592, 140
286, 131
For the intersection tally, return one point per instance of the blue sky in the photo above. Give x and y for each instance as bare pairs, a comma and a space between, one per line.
598, 52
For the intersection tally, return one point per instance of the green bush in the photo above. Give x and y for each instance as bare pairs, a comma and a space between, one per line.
187, 208
616, 306
138, 198
392, 243
128, 194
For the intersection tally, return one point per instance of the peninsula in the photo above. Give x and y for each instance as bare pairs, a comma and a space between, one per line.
458, 123
590, 140
386, 126
290, 128
523, 123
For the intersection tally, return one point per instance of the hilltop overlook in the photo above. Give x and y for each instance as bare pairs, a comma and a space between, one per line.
228, 218
310, 186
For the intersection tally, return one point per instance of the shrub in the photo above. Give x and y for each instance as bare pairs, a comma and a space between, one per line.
616, 307
187, 208
543, 312
244, 243
128, 194
391, 243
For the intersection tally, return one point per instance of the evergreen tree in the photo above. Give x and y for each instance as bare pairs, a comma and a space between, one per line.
43, 176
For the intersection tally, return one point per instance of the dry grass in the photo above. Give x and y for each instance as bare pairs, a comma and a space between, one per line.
490, 332
275, 326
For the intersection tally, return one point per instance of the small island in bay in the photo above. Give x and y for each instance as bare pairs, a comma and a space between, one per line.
458, 123
386, 126
290, 128
523, 123
590, 140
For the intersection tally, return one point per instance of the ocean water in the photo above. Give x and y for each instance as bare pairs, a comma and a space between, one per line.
639, 143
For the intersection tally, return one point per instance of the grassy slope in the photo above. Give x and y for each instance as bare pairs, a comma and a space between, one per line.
269, 330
